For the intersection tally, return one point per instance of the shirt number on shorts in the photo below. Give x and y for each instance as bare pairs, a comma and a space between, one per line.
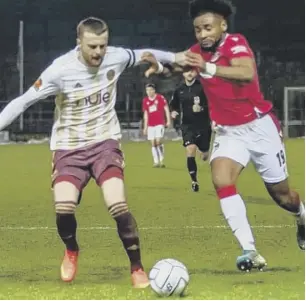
281, 157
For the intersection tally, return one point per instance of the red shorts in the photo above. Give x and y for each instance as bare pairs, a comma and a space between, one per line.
99, 161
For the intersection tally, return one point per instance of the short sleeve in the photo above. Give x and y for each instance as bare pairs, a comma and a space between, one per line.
238, 47
144, 105
163, 100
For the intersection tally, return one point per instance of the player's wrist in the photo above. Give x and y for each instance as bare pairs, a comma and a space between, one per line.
160, 68
210, 68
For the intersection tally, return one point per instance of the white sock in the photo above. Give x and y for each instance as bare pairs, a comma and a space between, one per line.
155, 154
234, 211
300, 216
161, 150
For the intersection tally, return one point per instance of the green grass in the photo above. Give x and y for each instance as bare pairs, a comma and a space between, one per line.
165, 209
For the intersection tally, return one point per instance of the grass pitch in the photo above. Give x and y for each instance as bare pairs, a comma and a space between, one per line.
173, 221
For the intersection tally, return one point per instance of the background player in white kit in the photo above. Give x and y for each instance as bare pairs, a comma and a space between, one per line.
85, 135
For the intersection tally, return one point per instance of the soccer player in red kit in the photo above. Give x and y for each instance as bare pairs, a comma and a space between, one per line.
155, 107
245, 127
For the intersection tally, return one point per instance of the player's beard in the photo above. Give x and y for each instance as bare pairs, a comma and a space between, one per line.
214, 46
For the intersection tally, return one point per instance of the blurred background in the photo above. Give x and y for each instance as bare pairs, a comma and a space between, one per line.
275, 29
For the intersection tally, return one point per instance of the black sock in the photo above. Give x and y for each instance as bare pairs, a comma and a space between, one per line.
128, 233
66, 227
192, 168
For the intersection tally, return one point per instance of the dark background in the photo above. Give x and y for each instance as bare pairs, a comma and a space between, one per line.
51, 23
275, 30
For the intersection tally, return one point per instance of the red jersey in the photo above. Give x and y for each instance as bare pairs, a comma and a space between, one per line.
232, 102
156, 109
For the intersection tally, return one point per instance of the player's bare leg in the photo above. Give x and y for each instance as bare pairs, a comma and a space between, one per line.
112, 186
66, 198
225, 173
203, 155
161, 152
191, 151
290, 201
155, 153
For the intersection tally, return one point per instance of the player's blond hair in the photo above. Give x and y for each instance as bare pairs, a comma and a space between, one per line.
91, 24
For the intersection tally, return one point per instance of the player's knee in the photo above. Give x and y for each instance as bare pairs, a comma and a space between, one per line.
66, 188
222, 181
65, 207
191, 150
224, 172
112, 186
158, 142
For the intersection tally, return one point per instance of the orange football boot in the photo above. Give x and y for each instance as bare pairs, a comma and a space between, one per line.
69, 265
140, 279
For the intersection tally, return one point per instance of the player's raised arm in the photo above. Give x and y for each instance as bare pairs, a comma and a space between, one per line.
156, 58
167, 69
241, 59
45, 86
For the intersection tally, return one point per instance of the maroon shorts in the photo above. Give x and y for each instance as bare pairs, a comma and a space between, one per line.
100, 161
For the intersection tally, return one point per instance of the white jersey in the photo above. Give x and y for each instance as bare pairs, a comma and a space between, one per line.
85, 107
85, 96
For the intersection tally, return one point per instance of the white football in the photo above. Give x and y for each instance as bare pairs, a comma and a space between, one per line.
169, 277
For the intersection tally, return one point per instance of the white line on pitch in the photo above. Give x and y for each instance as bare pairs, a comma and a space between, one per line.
144, 228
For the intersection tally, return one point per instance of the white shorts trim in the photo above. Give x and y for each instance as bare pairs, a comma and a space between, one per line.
258, 141
156, 132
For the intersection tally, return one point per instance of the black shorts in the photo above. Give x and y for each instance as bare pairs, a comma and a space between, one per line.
199, 137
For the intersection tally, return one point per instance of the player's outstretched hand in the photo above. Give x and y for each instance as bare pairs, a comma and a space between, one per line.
148, 57
174, 114
195, 60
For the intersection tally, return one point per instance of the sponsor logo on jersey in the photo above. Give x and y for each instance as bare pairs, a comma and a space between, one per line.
95, 99
78, 85
239, 48
37, 85
110, 74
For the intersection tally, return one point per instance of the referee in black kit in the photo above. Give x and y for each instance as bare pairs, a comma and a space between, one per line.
189, 101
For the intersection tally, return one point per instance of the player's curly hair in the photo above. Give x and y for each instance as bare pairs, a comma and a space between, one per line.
220, 7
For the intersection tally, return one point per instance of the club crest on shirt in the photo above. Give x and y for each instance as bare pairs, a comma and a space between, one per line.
215, 57
196, 104
110, 74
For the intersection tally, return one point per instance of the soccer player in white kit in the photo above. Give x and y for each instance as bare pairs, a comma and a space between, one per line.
86, 134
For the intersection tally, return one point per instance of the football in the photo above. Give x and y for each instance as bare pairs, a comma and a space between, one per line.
169, 277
